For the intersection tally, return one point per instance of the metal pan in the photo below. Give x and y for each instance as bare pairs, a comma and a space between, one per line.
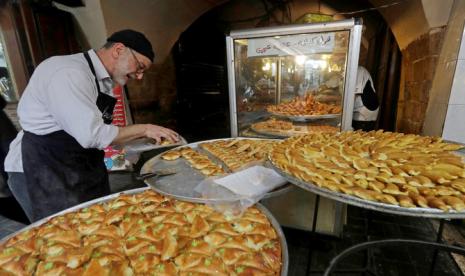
273, 221
372, 205
305, 118
182, 184
278, 134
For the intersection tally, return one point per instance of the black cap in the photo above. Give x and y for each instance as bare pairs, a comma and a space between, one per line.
134, 40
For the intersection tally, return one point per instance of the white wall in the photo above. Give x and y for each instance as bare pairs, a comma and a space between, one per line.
454, 125
162, 21
410, 19
90, 20
437, 12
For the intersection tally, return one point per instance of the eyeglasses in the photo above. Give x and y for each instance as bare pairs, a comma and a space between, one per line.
140, 66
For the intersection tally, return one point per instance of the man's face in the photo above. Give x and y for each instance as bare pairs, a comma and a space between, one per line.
122, 69
130, 65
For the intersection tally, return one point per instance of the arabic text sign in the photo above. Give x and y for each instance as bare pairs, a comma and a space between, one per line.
291, 45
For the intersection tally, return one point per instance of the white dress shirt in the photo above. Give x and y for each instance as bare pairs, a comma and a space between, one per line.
62, 95
361, 113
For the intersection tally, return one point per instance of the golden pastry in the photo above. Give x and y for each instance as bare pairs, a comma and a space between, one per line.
304, 106
454, 202
171, 155
436, 202
419, 200
385, 198
405, 201
239, 152
393, 189
394, 168
191, 239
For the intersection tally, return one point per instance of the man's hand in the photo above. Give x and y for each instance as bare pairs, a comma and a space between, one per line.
159, 132
129, 133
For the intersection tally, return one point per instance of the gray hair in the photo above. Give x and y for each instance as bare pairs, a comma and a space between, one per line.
108, 44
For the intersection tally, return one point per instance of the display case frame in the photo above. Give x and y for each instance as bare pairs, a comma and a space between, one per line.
354, 26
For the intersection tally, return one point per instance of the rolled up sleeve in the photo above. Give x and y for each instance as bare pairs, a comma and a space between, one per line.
71, 100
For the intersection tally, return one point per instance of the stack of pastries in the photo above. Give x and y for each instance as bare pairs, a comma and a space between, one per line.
233, 153
196, 159
145, 234
273, 124
304, 106
286, 128
236, 153
393, 168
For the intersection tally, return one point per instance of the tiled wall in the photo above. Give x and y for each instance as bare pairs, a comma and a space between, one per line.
454, 126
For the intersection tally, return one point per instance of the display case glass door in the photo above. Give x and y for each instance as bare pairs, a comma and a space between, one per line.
288, 82
7, 90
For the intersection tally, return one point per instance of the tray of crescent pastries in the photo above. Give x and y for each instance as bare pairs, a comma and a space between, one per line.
304, 109
212, 158
140, 232
398, 173
285, 129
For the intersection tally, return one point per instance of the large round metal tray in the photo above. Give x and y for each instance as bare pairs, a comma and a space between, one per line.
273, 221
182, 184
372, 205
305, 118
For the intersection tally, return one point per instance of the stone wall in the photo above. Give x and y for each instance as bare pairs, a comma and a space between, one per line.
419, 62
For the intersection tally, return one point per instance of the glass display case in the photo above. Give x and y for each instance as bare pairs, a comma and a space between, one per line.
6, 84
293, 79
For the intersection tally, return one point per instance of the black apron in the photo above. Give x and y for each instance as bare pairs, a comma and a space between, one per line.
60, 173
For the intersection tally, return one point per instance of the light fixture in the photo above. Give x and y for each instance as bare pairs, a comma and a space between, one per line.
300, 60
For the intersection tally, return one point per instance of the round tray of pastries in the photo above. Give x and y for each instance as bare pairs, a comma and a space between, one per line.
385, 171
195, 162
140, 232
304, 109
285, 129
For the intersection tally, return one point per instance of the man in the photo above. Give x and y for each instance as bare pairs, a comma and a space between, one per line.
65, 111
366, 105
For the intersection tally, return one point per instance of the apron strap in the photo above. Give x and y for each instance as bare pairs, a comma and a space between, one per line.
91, 65
105, 103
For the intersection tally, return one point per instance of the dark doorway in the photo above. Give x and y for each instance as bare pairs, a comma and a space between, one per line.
201, 72
202, 104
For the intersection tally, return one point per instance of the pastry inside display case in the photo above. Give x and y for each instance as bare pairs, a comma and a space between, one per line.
296, 78
302, 106
283, 128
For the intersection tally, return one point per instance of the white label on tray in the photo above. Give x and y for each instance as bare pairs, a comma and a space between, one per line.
253, 181
295, 45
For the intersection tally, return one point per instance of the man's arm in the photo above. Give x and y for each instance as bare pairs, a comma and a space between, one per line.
129, 133
73, 106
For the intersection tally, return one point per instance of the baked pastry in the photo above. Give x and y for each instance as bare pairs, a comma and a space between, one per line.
302, 106
197, 160
393, 168
286, 128
171, 155
190, 239
236, 153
